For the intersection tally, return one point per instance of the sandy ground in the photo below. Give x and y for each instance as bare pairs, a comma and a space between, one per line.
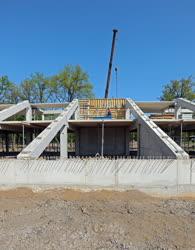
68, 219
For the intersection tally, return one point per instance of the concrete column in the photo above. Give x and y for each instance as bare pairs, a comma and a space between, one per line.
29, 137
29, 114
76, 114
7, 142
99, 135
77, 143
138, 140
64, 142
177, 111
127, 114
102, 143
181, 133
23, 135
127, 135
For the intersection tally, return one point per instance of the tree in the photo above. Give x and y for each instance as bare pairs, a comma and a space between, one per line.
70, 83
183, 88
35, 88
9, 92
27, 90
15, 95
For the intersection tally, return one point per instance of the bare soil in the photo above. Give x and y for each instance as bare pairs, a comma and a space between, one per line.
68, 219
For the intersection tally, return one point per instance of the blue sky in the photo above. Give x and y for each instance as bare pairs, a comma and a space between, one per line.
156, 41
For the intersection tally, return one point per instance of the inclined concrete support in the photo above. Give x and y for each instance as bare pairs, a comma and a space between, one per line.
64, 142
184, 103
153, 141
8, 112
38, 145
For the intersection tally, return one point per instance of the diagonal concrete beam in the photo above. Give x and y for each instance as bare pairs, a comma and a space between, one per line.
38, 145
154, 140
14, 109
184, 103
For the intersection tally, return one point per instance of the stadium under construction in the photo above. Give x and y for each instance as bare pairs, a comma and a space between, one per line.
98, 128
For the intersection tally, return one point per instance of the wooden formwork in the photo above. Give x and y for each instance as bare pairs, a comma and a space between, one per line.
94, 108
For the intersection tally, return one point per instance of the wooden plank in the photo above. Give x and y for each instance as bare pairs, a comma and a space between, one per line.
98, 107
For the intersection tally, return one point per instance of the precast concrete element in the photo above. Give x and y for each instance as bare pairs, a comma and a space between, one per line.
183, 103
50, 112
112, 141
152, 140
37, 146
14, 109
166, 176
64, 142
29, 114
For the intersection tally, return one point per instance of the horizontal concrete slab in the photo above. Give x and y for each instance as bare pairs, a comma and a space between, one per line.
7, 125
154, 107
38, 105
94, 123
146, 106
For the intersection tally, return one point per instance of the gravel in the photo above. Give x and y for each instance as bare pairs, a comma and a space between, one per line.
69, 219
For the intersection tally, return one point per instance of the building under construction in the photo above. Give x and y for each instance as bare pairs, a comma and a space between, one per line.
98, 127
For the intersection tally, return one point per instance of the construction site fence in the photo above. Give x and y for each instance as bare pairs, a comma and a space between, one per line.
158, 175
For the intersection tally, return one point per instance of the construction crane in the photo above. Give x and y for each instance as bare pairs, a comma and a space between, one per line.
110, 63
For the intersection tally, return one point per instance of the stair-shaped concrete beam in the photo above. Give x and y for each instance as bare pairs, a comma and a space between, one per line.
8, 112
153, 140
184, 103
38, 145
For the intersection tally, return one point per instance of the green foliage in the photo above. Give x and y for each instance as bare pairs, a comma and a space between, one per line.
9, 92
35, 88
70, 83
183, 88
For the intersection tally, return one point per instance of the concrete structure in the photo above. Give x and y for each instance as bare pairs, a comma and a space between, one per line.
149, 129
37, 146
182, 103
152, 140
157, 176
103, 140
15, 109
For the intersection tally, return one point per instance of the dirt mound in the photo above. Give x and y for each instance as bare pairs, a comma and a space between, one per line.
69, 219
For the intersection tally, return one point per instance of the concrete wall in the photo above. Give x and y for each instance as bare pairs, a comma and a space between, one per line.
89, 141
162, 176
150, 145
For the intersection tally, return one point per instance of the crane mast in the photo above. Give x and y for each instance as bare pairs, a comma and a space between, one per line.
110, 63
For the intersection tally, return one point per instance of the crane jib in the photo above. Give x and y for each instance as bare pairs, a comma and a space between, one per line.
110, 63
